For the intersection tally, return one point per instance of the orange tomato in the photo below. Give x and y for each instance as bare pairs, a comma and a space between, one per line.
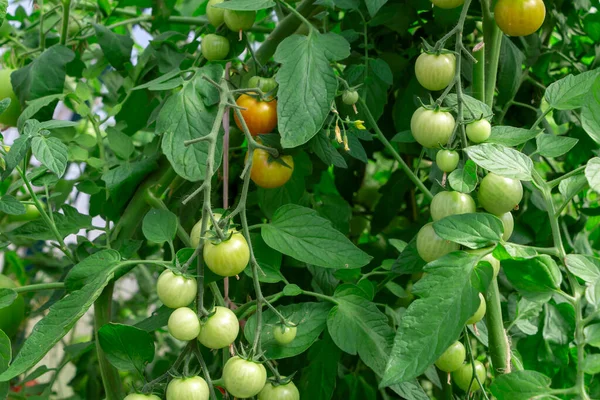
260, 116
267, 172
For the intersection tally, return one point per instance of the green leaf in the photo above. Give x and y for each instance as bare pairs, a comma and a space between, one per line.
373, 6
116, 48
554, 146
122, 181
51, 152
590, 113
409, 261
310, 318
70, 222
85, 271
511, 136
464, 179
268, 259
168, 81
16, 154
571, 91
533, 275
5, 357
510, 70
502, 161
592, 173
584, 267
321, 145
120, 143
10, 205
307, 84
33, 106
592, 335
157, 320
4, 103
520, 385
159, 225
475, 230
479, 108
300, 233
319, 376
571, 186
126, 347
374, 82
246, 5
7, 297
435, 320
591, 364
3, 8
292, 290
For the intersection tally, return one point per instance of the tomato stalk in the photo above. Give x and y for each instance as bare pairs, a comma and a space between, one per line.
66, 4
39, 287
493, 41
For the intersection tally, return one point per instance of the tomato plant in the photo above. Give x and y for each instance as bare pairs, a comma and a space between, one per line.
260, 116
189, 388
220, 329
228, 257
244, 378
435, 71
11, 316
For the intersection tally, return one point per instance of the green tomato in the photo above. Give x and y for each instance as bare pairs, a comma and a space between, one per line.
464, 375
31, 213
139, 396
479, 131
197, 230
448, 3
289, 391
215, 47
215, 15
495, 263
432, 128
350, 97
499, 195
176, 290
229, 257
192, 388
453, 358
220, 329
509, 225
239, 20
445, 204
478, 316
11, 316
435, 72
284, 334
10, 116
243, 378
184, 324
447, 160
430, 246
264, 84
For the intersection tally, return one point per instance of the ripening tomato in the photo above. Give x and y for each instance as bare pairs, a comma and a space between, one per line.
453, 358
260, 116
287, 391
464, 375
215, 15
447, 160
284, 334
435, 71
478, 316
520, 17
191, 388
432, 128
448, 3
243, 378
445, 204
268, 172
10, 116
214, 47
479, 131
430, 246
239, 20
220, 329
509, 225
229, 257
11, 316
176, 290
184, 324
196, 230
139, 396
498, 194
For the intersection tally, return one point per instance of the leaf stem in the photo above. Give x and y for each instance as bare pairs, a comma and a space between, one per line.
555, 182
493, 43
39, 287
65, 21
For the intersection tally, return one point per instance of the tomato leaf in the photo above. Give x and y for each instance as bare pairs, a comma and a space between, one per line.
464, 179
321, 145
571, 186
590, 113
126, 347
533, 275
51, 152
10, 205
319, 376
520, 385
591, 364
71, 221
478, 108
307, 84
475, 230
592, 173
5, 357
511, 136
584, 267
268, 259
549, 145
571, 91
84, 271
245, 5
502, 161
159, 225
409, 261
116, 48
299, 232
7, 297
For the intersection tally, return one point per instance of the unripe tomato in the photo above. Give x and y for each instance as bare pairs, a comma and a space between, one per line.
289, 391
192, 388
220, 329
284, 334
445, 204
264, 84
464, 375
214, 47
243, 378
267, 172
430, 246
229, 257
31, 213
489, 258
520, 17
479, 131
448, 3
260, 116
453, 358
11, 316
139, 396
196, 230
478, 316
435, 72
509, 225
176, 290
215, 15
431, 128
447, 160
184, 324
350, 97
10, 116
498, 194
239, 20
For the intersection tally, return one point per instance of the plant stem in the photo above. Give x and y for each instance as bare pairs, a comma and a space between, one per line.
498, 341
479, 73
39, 287
65, 21
493, 43
555, 182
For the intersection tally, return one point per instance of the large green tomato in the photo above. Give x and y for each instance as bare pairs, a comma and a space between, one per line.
11, 316
509, 225
139, 396
464, 375
435, 72
184, 324
220, 329
478, 316
289, 391
192, 388
214, 47
445, 204
11, 115
498, 194
453, 358
479, 131
432, 128
229, 257
176, 290
243, 378
239, 20
448, 3
430, 246
215, 16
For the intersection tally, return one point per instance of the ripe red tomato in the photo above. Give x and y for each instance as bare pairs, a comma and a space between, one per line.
267, 172
453, 358
260, 116
11, 316
520, 17
435, 72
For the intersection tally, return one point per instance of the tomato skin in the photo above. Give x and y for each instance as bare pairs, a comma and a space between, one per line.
453, 358
463, 376
519, 17
184, 324
214, 47
216, 16
289, 391
11, 316
219, 330
448, 3
447, 160
239, 20
478, 316
509, 225
229, 257
430, 246
479, 131
197, 228
260, 116
267, 172
445, 204
284, 334
139, 396
435, 72
243, 378
11, 115
176, 290
192, 388
499, 195
350, 97
431, 128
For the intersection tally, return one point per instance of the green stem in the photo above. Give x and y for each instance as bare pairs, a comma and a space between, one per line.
493, 42
541, 118
64, 33
555, 182
498, 341
479, 73
39, 287
320, 296
42, 33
